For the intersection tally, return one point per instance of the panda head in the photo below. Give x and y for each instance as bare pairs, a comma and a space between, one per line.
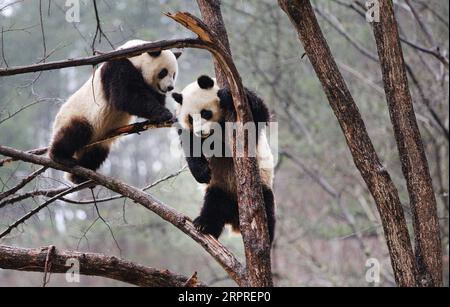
198, 106
159, 69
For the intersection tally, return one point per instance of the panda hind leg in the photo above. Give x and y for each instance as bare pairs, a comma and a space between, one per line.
269, 204
219, 208
69, 139
91, 158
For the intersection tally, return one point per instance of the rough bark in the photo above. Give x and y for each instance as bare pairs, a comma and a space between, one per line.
35, 260
252, 214
409, 142
212, 17
365, 158
224, 257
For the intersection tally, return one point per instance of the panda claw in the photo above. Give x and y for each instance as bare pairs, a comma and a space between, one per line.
204, 226
199, 224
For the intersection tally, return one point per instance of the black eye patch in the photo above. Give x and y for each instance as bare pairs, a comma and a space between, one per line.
163, 73
206, 114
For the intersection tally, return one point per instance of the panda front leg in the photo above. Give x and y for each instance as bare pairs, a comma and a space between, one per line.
156, 113
68, 140
219, 208
146, 103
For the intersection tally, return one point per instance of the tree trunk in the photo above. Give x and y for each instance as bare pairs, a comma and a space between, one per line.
252, 213
212, 17
366, 159
409, 142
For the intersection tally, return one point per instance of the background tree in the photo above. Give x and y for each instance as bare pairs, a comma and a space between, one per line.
326, 214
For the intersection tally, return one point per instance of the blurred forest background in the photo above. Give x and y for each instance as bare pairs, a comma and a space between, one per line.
328, 225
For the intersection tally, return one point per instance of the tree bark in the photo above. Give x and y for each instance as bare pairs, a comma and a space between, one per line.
252, 213
212, 17
50, 260
222, 255
97, 59
409, 142
365, 158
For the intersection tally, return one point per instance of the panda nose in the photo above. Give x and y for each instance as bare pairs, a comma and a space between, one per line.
170, 88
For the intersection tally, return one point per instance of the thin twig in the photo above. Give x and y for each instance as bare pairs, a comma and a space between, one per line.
44, 43
99, 30
107, 199
44, 205
22, 183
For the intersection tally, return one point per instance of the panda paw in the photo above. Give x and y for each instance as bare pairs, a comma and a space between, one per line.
164, 116
204, 177
207, 226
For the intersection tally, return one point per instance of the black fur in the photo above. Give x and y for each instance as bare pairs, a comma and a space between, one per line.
126, 90
178, 54
205, 82
155, 54
91, 158
178, 97
199, 166
259, 110
69, 140
269, 202
163, 73
221, 208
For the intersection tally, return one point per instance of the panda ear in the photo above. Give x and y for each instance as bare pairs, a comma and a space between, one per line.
205, 82
178, 97
178, 54
225, 98
155, 54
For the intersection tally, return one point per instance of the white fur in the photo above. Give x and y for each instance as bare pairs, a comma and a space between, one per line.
151, 66
89, 101
195, 99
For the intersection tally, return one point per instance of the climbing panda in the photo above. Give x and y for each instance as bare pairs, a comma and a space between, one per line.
201, 107
117, 91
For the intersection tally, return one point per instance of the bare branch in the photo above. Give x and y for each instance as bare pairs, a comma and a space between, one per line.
113, 55
107, 199
99, 30
44, 205
22, 183
44, 43
224, 257
46, 193
37, 260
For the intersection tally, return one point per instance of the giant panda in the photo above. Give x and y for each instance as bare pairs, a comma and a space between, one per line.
209, 104
117, 91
